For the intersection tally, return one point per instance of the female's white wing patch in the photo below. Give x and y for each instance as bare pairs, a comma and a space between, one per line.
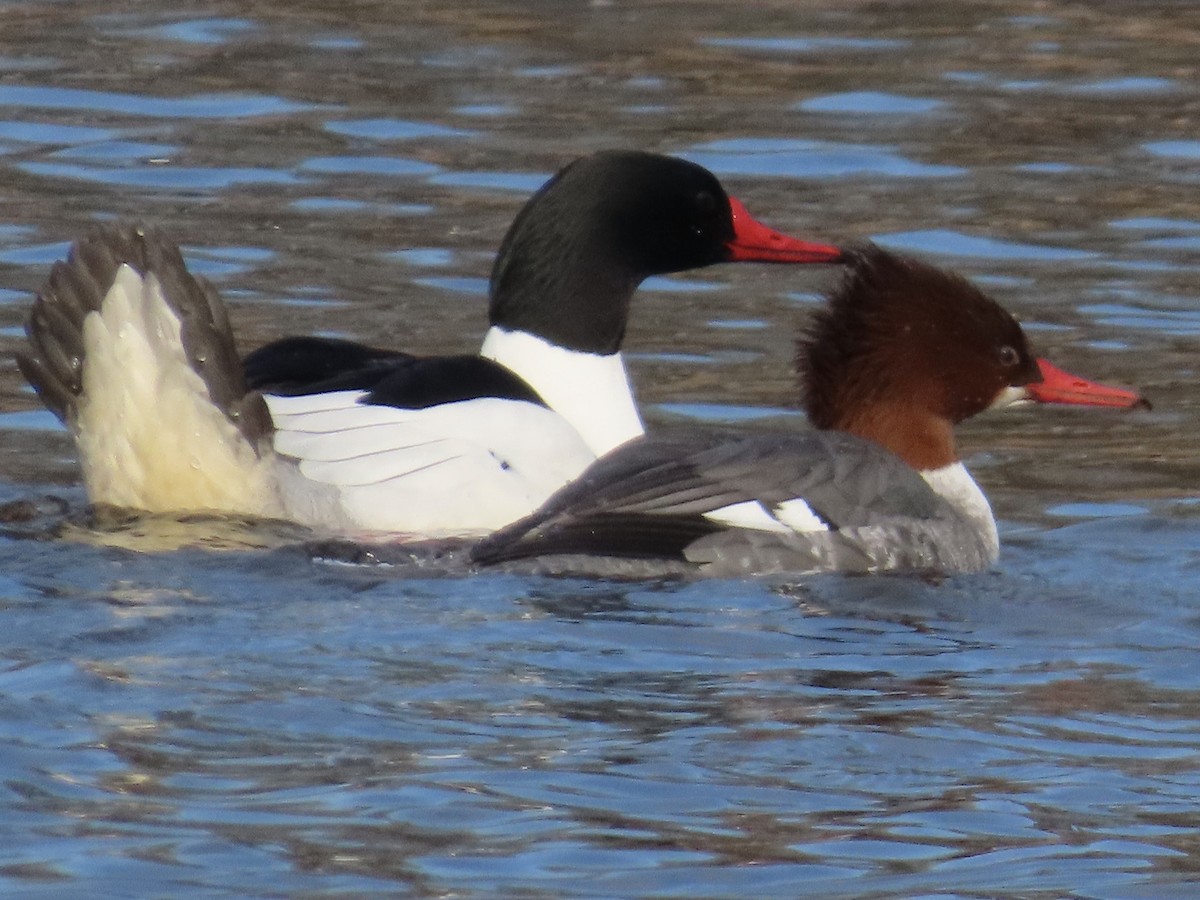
791, 515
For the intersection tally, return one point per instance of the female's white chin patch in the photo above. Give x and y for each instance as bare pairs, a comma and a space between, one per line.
1010, 396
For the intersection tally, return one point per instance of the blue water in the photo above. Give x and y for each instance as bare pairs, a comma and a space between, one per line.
940, 242
798, 158
210, 707
871, 103
394, 130
199, 106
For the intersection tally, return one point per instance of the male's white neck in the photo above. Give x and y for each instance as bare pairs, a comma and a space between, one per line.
588, 390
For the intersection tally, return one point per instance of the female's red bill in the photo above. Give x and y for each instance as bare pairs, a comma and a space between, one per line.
1058, 386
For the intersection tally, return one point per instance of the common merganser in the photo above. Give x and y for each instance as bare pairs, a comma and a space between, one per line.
137, 357
901, 353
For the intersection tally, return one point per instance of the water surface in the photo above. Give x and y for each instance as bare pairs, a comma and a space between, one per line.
226, 708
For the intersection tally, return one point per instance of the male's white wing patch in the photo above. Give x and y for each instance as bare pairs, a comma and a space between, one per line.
456, 468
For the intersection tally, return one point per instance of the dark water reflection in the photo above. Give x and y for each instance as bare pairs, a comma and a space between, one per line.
238, 718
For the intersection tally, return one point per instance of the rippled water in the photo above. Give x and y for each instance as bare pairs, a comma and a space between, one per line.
238, 715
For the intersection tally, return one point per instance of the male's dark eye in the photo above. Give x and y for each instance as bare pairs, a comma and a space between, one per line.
706, 203
1009, 355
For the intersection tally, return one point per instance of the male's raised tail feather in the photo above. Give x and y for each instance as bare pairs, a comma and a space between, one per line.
137, 357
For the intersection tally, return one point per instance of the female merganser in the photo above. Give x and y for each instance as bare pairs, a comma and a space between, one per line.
137, 357
901, 353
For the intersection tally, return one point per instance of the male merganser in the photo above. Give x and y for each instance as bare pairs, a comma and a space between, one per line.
901, 353
137, 356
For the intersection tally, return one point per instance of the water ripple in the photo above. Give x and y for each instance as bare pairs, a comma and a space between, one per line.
1121, 315
393, 166
871, 103
1174, 149
953, 243
807, 44
723, 413
457, 284
518, 182
199, 106
798, 158
49, 133
162, 177
202, 31
394, 129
